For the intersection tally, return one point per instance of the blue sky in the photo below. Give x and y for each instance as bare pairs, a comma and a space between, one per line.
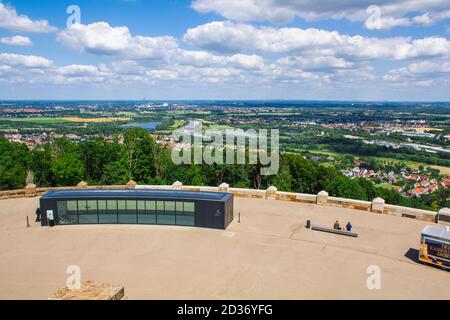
226, 49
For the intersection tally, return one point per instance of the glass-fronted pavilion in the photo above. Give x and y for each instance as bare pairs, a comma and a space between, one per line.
129, 206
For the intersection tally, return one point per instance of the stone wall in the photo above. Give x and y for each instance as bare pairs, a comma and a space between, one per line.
377, 206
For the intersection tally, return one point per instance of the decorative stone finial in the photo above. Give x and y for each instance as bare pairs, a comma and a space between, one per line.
224, 187
131, 184
378, 205
82, 185
444, 216
271, 193
322, 197
30, 190
177, 185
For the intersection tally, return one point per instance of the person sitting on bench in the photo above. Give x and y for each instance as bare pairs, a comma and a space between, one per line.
349, 227
337, 226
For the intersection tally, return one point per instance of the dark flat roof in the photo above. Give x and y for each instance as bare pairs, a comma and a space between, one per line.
137, 194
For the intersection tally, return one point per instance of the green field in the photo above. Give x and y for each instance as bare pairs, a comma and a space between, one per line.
178, 124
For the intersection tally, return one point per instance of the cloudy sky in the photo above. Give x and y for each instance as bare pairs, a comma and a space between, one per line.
225, 49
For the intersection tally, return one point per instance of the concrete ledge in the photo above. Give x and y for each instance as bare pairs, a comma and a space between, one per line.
150, 187
306, 198
248, 193
349, 203
411, 213
286, 196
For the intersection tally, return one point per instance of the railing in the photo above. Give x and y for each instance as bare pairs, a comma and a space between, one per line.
377, 206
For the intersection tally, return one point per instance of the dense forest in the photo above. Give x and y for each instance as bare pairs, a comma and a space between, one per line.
140, 158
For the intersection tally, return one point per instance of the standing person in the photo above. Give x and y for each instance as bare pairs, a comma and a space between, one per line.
38, 215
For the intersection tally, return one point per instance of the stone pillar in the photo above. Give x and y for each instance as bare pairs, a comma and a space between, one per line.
131, 184
224, 187
271, 193
378, 205
322, 198
82, 185
177, 185
444, 216
30, 190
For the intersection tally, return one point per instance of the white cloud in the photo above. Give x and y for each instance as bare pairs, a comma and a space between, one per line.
20, 41
316, 63
76, 70
387, 23
28, 61
237, 37
9, 19
103, 39
423, 73
206, 59
393, 12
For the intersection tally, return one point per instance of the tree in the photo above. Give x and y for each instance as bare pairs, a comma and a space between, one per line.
138, 155
41, 166
346, 188
283, 180
115, 173
14, 159
68, 170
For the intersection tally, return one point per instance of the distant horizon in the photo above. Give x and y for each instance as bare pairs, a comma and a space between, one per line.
225, 100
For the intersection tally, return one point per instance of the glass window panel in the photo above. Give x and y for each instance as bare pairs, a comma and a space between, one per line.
72, 211
141, 206
131, 205
92, 206
127, 211
189, 206
186, 217
82, 206
86, 215
150, 205
121, 205
72, 206
167, 217
112, 205
160, 206
102, 205
149, 215
64, 216
179, 207
169, 206
107, 211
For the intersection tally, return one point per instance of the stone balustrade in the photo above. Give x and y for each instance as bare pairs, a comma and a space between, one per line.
377, 206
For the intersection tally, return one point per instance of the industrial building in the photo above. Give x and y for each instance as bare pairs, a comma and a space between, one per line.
126, 206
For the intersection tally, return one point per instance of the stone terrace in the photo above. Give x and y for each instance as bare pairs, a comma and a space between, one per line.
269, 255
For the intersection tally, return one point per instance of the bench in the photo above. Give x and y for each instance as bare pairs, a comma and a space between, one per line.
339, 232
